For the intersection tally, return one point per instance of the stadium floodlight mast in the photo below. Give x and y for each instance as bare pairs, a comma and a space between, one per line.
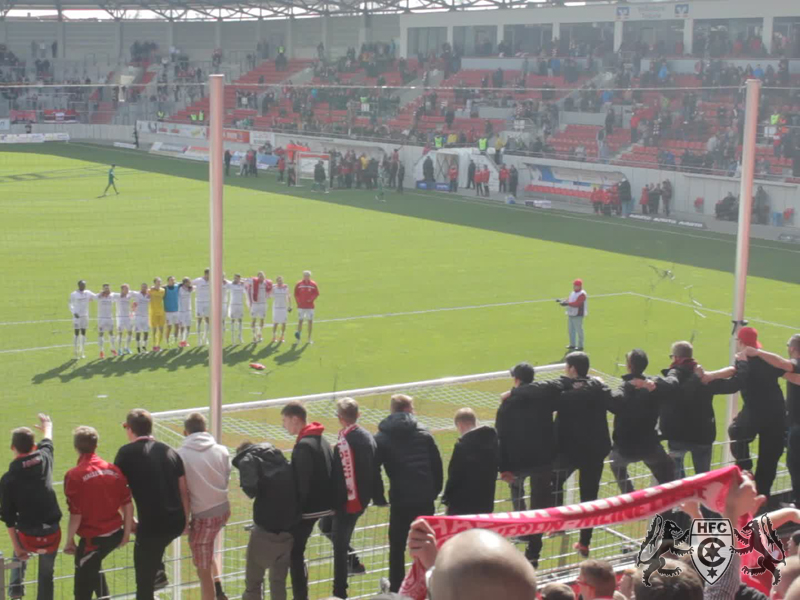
753, 87
216, 183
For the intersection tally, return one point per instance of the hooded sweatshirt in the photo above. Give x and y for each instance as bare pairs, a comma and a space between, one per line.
412, 461
208, 469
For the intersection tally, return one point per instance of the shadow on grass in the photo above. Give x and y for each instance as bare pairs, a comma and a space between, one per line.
173, 359
700, 249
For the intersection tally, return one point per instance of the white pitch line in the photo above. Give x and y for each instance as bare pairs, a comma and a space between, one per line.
354, 318
713, 310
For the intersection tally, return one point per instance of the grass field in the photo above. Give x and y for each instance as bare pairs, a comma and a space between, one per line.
423, 286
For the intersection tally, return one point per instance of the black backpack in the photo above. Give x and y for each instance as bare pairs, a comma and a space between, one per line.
266, 476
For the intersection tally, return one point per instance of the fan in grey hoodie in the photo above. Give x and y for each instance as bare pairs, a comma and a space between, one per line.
208, 469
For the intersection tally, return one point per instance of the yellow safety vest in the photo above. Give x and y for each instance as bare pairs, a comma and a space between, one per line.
482, 144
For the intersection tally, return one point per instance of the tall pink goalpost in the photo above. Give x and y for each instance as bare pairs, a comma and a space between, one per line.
216, 183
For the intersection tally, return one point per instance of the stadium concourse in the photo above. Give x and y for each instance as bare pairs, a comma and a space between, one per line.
430, 128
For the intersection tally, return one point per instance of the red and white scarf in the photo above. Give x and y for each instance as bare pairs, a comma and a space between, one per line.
349, 469
709, 488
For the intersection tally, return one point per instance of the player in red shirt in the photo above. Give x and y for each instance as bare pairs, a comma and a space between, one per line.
305, 292
97, 492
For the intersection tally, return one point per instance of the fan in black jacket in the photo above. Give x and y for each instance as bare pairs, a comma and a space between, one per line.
312, 460
472, 472
354, 454
582, 439
635, 435
686, 418
524, 425
408, 452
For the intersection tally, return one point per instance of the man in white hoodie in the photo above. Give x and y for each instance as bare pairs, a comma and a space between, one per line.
208, 469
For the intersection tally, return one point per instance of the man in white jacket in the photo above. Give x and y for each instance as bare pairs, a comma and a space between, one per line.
208, 469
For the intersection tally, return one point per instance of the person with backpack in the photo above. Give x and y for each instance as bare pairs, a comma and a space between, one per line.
267, 477
312, 464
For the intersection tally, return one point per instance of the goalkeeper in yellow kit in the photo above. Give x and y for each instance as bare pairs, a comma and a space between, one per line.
158, 316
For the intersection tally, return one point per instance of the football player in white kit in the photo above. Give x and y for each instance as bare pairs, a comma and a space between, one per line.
258, 291
105, 319
281, 305
185, 311
237, 291
202, 305
141, 319
124, 323
79, 307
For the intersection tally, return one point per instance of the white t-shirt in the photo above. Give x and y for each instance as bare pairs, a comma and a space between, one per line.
264, 288
105, 306
280, 294
237, 292
202, 290
142, 303
184, 299
123, 304
79, 302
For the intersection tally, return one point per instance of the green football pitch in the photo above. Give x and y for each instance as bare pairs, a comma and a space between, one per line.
422, 286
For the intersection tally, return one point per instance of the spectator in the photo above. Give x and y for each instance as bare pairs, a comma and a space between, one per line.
157, 481
687, 408
472, 472
666, 195
453, 177
471, 174
503, 177
791, 367
610, 117
472, 565
408, 452
763, 414
635, 418
581, 415
513, 181
625, 197
525, 433
312, 460
101, 514
353, 483
29, 508
208, 469
267, 477
557, 591
596, 580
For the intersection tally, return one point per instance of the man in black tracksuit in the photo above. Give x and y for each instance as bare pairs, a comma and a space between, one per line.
312, 463
763, 414
582, 439
524, 425
791, 367
471, 175
355, 454
635, 411
472, 472
687, 407
408, 452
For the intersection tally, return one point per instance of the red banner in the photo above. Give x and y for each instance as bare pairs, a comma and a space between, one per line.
60, 116
23, 116
709, 488
236, 135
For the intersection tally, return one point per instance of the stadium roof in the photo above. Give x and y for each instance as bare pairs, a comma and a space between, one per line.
267, 9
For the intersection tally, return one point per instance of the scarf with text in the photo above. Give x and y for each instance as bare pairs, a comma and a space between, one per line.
710, 488
349, 470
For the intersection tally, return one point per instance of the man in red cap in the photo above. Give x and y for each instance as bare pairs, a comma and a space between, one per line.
576, 310
763, 414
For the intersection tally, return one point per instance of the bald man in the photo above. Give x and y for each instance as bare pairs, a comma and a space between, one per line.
473, 565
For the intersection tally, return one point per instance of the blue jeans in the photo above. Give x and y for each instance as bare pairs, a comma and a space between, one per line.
575, 331
44, 588
701, 456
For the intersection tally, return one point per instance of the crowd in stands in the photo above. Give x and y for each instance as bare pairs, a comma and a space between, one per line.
533, 443
143, 51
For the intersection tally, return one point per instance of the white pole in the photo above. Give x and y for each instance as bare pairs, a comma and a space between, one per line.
216, 182
743, 235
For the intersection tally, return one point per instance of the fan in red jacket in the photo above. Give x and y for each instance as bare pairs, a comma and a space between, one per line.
597, 199
305, 293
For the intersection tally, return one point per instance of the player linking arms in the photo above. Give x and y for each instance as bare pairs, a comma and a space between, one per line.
202, 306
141, 309
184, 311
79, 307
258, 291
237, 291
158, 315
305, 293
105, 319
124, 324
281, 305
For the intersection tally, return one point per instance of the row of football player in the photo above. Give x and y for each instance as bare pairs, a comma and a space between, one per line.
167, 310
